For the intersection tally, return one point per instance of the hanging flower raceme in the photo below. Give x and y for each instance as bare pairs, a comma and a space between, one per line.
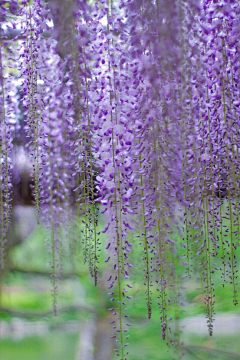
44, 130
163, 126
219, 140
8, 111
33, 56
114, 140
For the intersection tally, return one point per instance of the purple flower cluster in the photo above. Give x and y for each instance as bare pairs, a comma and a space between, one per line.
131, 112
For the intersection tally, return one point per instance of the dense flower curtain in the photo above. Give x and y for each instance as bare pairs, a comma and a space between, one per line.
131, 114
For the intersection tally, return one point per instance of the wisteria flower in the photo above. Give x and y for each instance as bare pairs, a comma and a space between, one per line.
110, 185
107, 127
205, 157
109, 171
128, 194
105, 157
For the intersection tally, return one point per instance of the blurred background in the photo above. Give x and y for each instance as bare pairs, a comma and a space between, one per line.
81, 329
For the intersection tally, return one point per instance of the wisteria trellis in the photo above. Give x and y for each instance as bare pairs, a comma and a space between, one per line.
131, 109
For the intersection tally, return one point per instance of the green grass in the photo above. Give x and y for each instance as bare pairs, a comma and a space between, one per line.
53, 346
145, 343
26, 300
221, 347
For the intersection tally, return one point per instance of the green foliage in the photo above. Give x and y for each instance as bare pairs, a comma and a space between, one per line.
54, 346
